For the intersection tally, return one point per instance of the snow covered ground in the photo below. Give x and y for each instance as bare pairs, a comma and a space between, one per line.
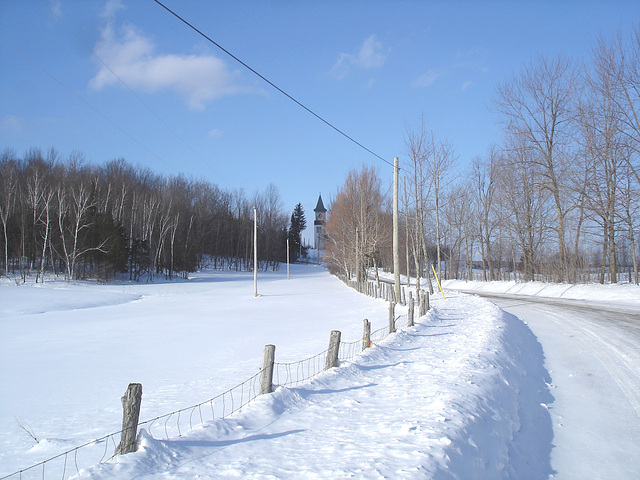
463, 394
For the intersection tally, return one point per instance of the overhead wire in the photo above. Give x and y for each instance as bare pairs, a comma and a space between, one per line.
290, 97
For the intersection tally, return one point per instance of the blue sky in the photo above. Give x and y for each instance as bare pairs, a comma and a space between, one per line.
371, 68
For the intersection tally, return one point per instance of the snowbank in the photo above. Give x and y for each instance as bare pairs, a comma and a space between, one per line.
462, 394
624, 295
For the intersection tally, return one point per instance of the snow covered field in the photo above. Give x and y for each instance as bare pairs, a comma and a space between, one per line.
463, 394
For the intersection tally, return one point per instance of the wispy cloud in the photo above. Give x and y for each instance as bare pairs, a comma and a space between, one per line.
12, 124
428, 78
110, 10
466, 85
215, 133
199, 79
371, 55
56, 8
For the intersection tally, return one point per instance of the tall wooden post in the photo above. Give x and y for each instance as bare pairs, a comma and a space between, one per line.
366, 335
334, 349
357, 258
396, 235
255, 252
411, 309
287, 258
131, 402
266, 375
392, 317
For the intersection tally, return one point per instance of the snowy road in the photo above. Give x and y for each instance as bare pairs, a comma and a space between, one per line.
593, 357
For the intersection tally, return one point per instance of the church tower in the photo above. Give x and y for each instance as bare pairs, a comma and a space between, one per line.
318, 225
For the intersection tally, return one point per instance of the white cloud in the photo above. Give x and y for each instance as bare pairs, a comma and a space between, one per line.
56, 8
466, 85
428, 78
111, 8
371, 55
132, 57
215, 133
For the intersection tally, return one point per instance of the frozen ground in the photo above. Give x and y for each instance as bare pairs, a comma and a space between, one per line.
464, 394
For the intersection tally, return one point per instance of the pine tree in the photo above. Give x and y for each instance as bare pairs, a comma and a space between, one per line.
298, 224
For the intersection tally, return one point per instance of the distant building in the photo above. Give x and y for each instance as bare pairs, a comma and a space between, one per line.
319, 237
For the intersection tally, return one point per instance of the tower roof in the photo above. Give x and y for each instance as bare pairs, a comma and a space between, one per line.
320, 205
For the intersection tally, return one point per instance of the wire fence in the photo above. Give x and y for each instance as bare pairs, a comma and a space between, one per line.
294, 373
179, 422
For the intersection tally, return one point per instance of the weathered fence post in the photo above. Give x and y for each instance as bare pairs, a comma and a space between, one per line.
366, 335
404, 296
392, 317
334, 348
411, 306
131, 402
266, 375
424, 302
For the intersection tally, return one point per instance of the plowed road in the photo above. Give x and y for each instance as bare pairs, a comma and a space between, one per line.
593, 357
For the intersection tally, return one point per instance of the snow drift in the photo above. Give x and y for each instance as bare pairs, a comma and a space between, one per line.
463, 394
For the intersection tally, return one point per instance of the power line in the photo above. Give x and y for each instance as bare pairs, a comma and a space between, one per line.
271, 83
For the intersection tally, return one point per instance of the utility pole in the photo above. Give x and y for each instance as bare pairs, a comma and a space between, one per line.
396, 236
357, 258
255, 252
287, 258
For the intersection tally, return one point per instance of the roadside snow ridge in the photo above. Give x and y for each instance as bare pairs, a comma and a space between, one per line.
463, 394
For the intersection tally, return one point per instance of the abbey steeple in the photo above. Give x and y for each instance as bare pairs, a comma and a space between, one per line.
318, 225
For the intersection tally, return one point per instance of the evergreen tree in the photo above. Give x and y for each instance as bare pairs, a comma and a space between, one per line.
298, 224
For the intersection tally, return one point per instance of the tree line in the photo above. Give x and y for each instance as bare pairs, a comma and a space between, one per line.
81, 221
557, 200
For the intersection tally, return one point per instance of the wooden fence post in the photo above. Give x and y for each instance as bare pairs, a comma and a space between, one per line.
266, 375
411, 306
366, 335
392, 317
426, 301
131, 402
334, 348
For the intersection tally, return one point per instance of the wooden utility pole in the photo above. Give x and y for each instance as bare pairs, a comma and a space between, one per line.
255, 252
287, 258
396, 236
357, 258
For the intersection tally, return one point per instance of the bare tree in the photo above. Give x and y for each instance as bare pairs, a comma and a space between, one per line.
538, 105
441, 163
358, 207
417, 191
525, 201
485, 175
9, 177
